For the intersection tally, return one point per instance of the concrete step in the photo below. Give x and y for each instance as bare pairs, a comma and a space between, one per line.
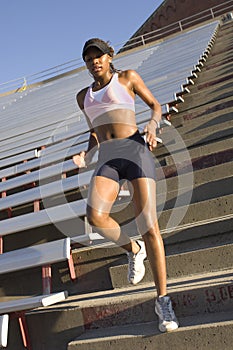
201, 176
222, 47
195, 150
215, 75
196, 261
184, 221
222, 42
221, 51
199, 185
217, 108
217, 70
205, 333
196, 102
183, 213
211, 72
204, 234
219, 57
225, 29
203, 120
223, 82
180, 152
194, 178
175, 139
200, 118
195, 187
197, 295
191, 214
182, 162
93, 263
207, 93
219, 60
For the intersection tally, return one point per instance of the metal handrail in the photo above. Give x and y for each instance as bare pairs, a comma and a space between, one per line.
21, 83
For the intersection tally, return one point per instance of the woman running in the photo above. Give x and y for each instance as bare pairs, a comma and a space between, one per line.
109, 107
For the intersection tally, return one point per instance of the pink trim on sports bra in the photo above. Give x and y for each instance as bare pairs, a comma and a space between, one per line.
112, 96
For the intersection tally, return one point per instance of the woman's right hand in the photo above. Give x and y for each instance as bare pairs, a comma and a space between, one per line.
79, 160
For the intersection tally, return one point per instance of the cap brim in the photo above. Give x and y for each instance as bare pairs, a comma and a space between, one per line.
96, 46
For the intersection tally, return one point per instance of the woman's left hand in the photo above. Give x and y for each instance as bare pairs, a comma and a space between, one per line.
150, 131
79, 160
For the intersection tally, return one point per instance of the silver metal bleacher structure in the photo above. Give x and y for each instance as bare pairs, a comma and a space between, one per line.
49, 105
164, 81
41, 129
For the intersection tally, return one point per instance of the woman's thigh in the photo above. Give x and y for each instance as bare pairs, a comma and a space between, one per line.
144, 199
102, 194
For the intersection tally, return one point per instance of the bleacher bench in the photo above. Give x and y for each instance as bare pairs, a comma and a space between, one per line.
4, 321
43, 255
18, 308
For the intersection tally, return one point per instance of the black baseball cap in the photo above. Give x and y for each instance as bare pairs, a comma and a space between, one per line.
95, 42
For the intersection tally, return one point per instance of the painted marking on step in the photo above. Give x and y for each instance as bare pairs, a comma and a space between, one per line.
218, 296
185, 299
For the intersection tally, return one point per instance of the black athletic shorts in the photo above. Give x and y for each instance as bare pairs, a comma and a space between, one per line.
127, 158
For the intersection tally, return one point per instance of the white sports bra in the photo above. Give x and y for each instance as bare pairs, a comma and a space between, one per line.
112, 96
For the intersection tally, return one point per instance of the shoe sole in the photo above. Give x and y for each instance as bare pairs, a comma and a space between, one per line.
167, 330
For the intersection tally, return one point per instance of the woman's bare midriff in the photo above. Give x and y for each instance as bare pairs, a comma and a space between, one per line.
117, 124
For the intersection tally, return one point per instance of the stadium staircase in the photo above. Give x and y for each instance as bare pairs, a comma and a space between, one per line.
194, 166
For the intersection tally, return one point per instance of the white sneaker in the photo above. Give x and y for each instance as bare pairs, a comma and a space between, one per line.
136, 267
167, 318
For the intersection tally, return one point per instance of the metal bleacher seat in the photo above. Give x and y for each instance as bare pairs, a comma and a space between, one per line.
41, 255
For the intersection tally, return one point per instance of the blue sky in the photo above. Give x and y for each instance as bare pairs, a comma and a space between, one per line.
37, 35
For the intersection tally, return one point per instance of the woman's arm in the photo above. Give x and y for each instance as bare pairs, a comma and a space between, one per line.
84, 157
136, 84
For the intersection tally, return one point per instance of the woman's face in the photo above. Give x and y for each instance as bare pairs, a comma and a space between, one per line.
97, 62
